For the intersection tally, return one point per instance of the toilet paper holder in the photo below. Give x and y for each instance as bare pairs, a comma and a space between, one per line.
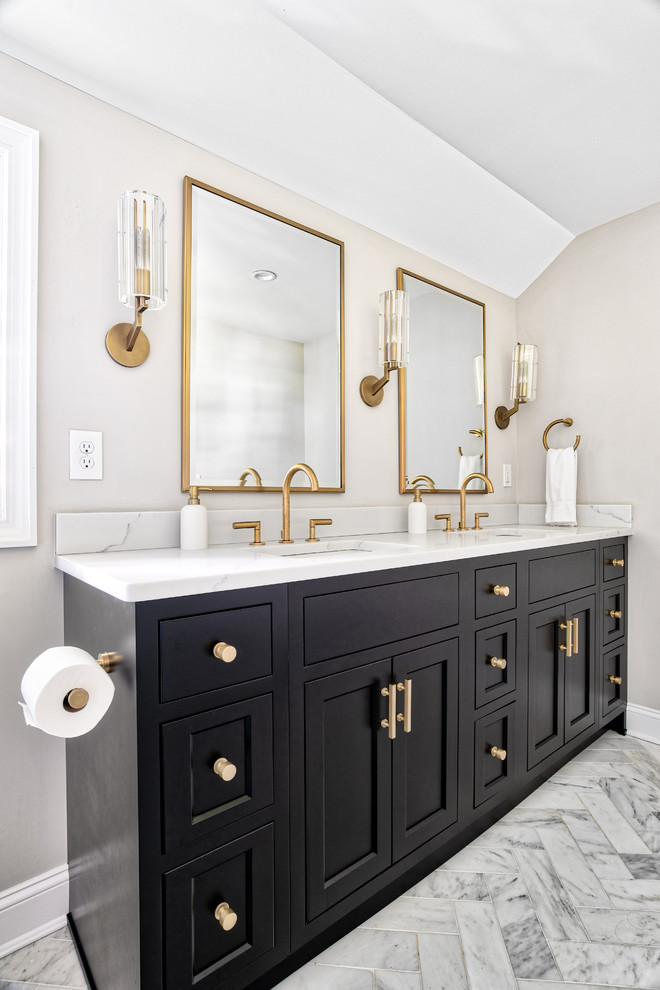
77, 698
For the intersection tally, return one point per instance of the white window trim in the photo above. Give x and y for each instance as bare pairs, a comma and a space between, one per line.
19, 192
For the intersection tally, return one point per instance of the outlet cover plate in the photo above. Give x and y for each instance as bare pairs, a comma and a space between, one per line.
85, 455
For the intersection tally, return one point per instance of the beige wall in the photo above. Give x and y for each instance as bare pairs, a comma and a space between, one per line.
595, 314
90, 152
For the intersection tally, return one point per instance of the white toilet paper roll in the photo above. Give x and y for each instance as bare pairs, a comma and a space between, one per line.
46, 685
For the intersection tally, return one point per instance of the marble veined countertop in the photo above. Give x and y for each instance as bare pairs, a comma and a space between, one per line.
149, 574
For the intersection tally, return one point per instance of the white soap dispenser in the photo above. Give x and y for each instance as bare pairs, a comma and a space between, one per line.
417, 514
194, 523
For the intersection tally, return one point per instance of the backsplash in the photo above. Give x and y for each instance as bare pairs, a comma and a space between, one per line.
100, 532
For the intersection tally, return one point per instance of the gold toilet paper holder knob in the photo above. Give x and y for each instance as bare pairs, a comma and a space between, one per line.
77, 698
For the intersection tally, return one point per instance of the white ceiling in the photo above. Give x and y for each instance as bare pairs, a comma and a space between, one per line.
484, 133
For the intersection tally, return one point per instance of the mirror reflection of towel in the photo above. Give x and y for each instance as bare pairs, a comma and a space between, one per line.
561, 486
468, 465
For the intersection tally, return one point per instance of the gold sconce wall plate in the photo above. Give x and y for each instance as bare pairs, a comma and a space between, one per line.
116, 344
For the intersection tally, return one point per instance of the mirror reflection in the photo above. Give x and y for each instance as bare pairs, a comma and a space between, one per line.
263, 347
442, 391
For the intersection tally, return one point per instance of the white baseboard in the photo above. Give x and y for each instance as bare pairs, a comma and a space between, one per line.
643, 722
33, 909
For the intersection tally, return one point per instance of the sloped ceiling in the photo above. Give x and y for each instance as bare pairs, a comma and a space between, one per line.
484, 134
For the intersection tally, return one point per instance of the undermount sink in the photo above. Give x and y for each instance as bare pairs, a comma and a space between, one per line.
330, 547
520, 532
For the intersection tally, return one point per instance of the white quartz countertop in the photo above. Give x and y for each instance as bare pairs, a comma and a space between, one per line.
146, 575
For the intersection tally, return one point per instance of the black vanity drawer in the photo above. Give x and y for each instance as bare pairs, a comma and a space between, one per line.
614, 613
495, 663
200, 950
495, 590
188, 665
349, 621
201, 794
615, 687
614, 561
494, 758
561, 574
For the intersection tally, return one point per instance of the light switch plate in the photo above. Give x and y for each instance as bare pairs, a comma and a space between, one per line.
506, 476
85, 455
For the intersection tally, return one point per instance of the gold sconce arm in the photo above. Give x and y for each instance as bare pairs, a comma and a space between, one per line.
371, 388
503, 415
126, 343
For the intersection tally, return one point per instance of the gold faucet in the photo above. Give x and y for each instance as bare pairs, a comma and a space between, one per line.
466, 481
255, 474
286, 497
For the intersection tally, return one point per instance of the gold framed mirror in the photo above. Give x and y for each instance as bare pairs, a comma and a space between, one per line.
263, 347
442, 391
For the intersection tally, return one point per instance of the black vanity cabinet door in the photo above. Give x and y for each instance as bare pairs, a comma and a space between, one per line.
347, 783
425, 758
562, 697
546, 684
580, 669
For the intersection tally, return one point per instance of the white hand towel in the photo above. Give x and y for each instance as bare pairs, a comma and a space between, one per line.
561, 486
469, 464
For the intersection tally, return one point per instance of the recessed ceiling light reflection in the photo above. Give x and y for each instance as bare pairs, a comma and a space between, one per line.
264, 275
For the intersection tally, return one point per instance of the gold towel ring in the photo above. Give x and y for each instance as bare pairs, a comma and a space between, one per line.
567, 422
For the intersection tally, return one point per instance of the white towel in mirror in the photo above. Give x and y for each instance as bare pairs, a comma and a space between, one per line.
561, 486
468, 465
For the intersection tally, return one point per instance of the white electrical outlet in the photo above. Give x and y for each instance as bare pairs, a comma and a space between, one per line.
85, 455
506, 476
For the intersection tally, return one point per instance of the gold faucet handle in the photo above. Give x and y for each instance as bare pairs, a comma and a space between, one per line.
313, 523
447, 518
477, 517
256, 526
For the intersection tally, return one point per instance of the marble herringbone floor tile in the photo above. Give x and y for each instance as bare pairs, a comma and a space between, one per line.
50, 961
562, 894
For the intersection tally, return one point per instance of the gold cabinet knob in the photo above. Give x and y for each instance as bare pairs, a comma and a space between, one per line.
497, 662
226, 917
614, 680
224, 769
617, 563
223, 651
501, 589
614, 613
499, 754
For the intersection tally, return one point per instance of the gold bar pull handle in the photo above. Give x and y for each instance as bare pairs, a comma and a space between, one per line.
568, 646
576, 639
406, 718
614, 613
614, 680
390, 721
497, 662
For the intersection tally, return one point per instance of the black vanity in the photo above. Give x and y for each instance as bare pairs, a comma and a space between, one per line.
233, 815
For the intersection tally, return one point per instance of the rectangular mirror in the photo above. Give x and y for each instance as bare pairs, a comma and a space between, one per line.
263, 347
442, 391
